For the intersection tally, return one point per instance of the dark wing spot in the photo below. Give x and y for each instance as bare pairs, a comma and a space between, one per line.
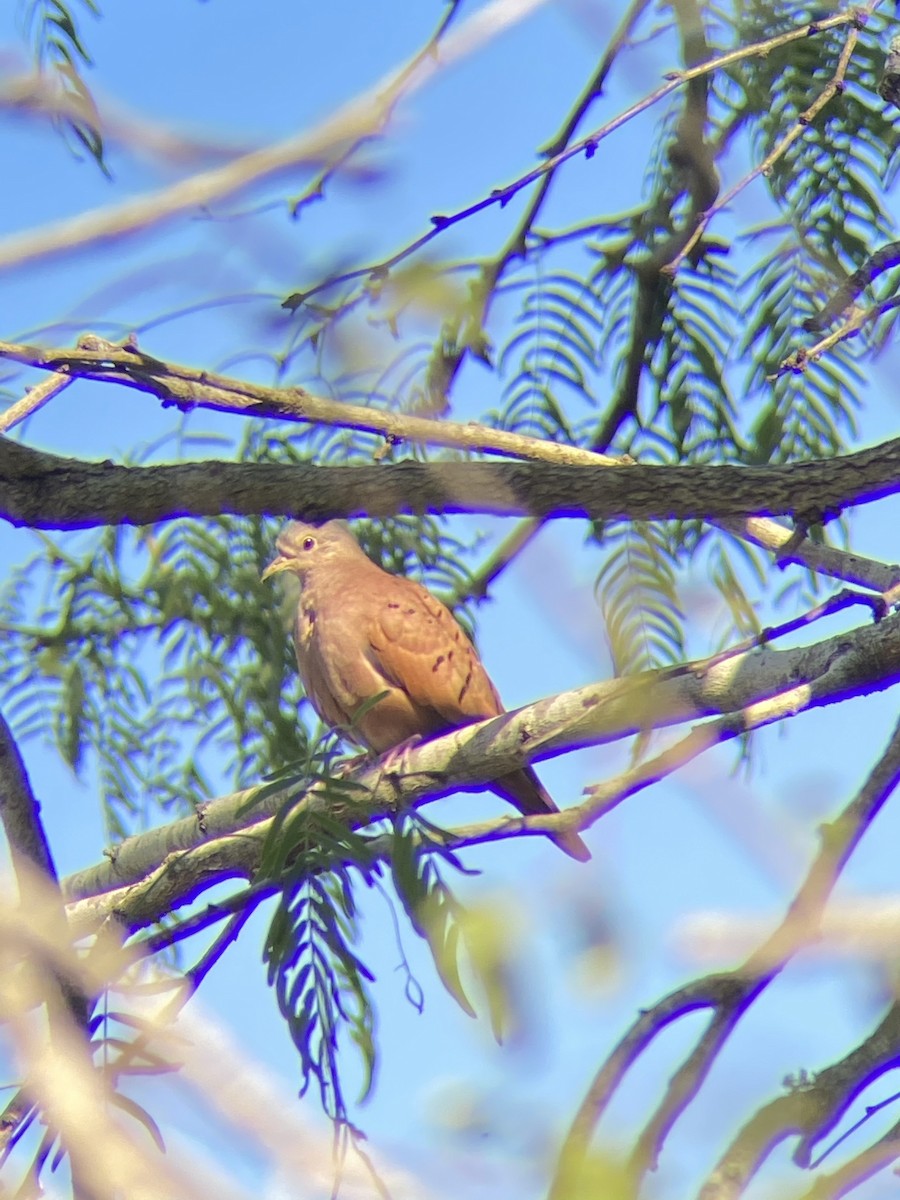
465, 686
393, 604
438, 661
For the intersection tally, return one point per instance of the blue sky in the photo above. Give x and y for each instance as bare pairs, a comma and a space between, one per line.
464, 1115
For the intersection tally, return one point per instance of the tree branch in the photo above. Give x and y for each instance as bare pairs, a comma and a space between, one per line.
157, 871
38, 888
236, 396
797, 130
20, 812
47, 492
602, 798
728, 995
188, 388
811, 1109
562, 150
823, 560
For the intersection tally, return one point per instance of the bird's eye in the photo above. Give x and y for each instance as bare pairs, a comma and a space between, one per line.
309, 543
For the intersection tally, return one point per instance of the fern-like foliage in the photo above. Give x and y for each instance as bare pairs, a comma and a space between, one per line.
828, 178
808, 413
136, 654
638, 595
552, 356
827, 184
321, 984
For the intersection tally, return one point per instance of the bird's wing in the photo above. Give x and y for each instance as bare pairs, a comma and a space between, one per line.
418, 646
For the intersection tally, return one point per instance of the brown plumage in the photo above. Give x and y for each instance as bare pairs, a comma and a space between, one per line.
360, 631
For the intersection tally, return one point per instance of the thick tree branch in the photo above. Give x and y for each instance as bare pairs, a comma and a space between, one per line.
602, 798
46, 492
32, 861
238, 396
39, 888
20, 812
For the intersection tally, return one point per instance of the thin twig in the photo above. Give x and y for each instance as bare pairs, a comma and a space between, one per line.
858, 1169
350, 122
855, 321
508, 550
880, 260
804, 120
35, 398
316, 189
872, 1110
587, 145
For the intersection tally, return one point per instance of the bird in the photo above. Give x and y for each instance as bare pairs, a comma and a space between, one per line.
361, 632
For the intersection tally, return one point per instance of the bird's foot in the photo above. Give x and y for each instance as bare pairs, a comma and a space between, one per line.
390, 761
353, 763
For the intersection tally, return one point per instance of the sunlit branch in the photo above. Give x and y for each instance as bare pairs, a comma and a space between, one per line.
152, 873
189, 387
35, 398
830, 561
602, 798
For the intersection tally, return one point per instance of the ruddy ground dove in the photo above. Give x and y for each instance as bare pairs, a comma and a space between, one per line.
361, 631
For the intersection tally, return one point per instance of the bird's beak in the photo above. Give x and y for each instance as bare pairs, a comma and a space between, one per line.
281, 563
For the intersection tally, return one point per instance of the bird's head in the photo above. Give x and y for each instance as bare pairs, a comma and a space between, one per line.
304, 548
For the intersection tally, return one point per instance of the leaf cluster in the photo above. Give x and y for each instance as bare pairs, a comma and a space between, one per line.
59, 51
321, 985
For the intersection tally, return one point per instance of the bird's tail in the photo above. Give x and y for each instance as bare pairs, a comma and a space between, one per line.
525, 791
